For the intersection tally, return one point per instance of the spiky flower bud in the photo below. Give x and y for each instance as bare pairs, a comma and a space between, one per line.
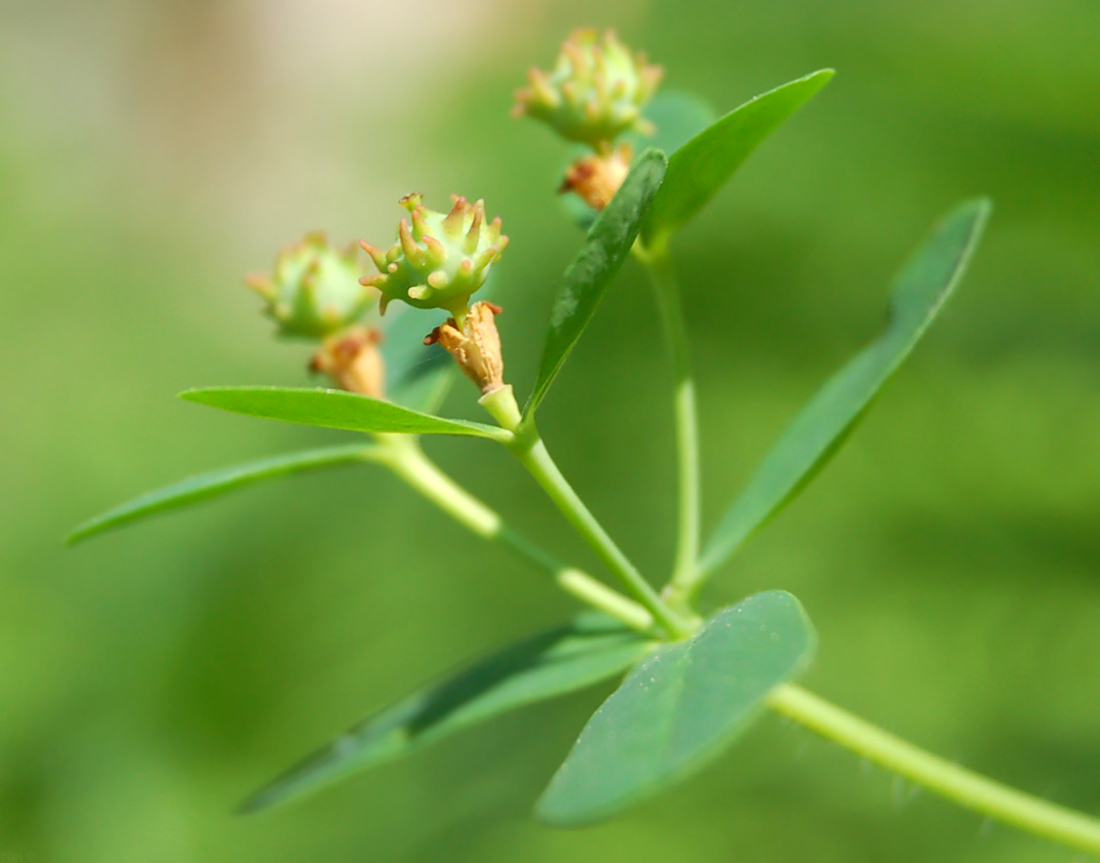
315, 290
596, 91
595, 179
441, 259
475, 346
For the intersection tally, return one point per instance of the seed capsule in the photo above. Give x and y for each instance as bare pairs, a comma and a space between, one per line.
440, 259
315, 290
596, 91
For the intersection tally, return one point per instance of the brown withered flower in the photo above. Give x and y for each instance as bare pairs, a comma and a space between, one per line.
475, 346
354, 361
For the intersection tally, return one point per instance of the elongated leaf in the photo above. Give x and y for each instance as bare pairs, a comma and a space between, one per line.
218, 482
591, 648
703, 165
334, 409
920, 290
680, 708
605, 248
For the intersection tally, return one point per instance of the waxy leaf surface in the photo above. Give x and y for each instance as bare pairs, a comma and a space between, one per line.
591, 648
680, 708
605, 248
334, 409
702, 166
218, 482
920, 290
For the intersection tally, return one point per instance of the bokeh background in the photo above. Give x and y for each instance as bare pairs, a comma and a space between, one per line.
151, 153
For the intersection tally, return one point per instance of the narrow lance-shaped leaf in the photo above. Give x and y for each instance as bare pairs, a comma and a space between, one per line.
920, 290
335, 409
218, 482
591, 648
680, 708
703, 165
605, 248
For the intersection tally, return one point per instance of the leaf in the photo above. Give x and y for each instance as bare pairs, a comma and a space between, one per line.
579, 654
920, 290
417, 375
703, 165
605, 248
218, 482
335, 409
678, 116
680, 708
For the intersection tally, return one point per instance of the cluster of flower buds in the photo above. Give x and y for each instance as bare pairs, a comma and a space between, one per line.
441, 259
314, 292
595, 92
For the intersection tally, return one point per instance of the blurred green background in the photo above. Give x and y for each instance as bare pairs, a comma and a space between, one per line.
151, 153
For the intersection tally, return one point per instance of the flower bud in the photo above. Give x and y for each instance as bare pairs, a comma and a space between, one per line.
315, 290
475, 346
352, 359
596, 91
441, 259
595, 179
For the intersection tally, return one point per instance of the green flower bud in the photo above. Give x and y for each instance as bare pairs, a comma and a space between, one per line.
596, 91
315, 290
440, 260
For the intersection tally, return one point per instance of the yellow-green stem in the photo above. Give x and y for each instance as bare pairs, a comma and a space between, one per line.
956, 783
685, 570
403, 455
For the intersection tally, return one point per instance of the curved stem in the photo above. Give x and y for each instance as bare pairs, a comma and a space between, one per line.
956, 783
528, 447
403, 455
534, 456
684, 573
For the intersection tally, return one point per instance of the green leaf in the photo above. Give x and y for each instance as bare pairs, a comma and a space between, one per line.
591, 648
218, 482
680, 708
920, 290
678, 116
335, 409
605, 248
703, 165
417, 375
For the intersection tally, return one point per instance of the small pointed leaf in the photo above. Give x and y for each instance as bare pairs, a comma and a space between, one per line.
605, 248
680, 708
218, 482
703, 165
335, 409
920, 290
591, 648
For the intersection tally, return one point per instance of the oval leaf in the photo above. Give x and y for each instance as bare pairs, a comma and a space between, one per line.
218, 482
335, 409
920, 290
605, 248
703, 165
591, 648
680, 708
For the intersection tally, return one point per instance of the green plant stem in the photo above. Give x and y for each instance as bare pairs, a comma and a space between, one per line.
684, 572
402, 454
956, 783
528, 447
